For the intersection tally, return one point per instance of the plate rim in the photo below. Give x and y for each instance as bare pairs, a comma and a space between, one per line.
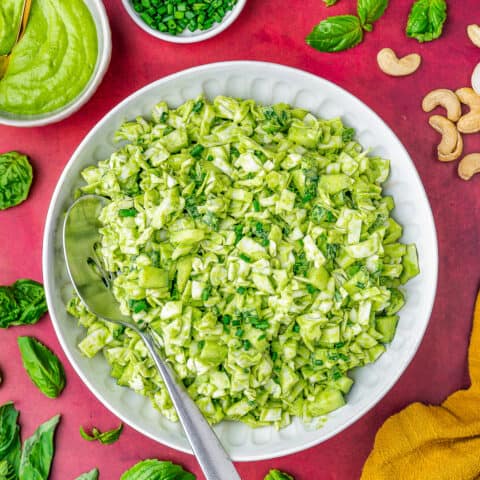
51, 224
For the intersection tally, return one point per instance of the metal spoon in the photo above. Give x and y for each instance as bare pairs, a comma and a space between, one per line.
81, 238
5, 59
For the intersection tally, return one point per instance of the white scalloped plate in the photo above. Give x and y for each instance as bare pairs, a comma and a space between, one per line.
266, 83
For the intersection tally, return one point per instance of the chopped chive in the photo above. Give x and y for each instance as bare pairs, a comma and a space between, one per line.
337, 374
256, 205
238, 233
261, 325
182, 14
197, 150
246, 345
274, 356
241, 290
226, 319
245, 258
197, 106
296, 328
206, 293
138, 305
239, 332
127, 212
234, 152
260, 155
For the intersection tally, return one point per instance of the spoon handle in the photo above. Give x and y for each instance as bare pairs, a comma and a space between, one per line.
213, 459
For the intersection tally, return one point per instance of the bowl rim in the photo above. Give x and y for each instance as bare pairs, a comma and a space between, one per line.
103, 62
48, 253
215, 30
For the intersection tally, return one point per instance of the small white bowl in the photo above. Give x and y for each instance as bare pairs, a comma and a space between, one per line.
104, 37
187, 36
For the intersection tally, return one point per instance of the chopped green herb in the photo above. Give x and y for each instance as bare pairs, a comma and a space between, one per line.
127, 212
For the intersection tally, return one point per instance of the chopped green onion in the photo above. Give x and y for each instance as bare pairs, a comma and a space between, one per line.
245, 258
127, 212
197, 150
163, 15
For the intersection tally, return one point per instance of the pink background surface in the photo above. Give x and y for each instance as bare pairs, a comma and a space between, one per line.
269, 30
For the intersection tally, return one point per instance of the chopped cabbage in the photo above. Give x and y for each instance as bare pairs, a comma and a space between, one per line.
256, 243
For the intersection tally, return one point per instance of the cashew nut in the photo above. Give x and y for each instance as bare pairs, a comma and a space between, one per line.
445, 98
390, 64
469, 166
449, 157
450, 137
470, 122
476, 79
473, 32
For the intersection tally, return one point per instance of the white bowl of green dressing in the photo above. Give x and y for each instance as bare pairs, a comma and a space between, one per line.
59, 63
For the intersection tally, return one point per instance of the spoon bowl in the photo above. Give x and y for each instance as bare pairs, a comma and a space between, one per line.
91, 280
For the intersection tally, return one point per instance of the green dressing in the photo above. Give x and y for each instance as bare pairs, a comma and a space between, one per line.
55, 59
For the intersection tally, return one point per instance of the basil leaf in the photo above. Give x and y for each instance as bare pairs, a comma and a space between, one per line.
9, 308
43, 366
426, 19
15, 179
370, 11
92, 475
23, 303
38, 450
330, 3
149, 469
106, 438
30, 296
335, 34
278, 475
10, 446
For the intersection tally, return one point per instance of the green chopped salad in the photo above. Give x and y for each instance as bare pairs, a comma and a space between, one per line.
257, 244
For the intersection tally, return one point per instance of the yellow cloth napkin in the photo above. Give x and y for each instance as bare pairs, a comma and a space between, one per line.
433, 443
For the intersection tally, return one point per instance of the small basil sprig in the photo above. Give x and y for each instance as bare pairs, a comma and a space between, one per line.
342, 32
426, 19
158, 470
91, 475
106, 438
33, 462
330, 3
43, 366
38, 450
